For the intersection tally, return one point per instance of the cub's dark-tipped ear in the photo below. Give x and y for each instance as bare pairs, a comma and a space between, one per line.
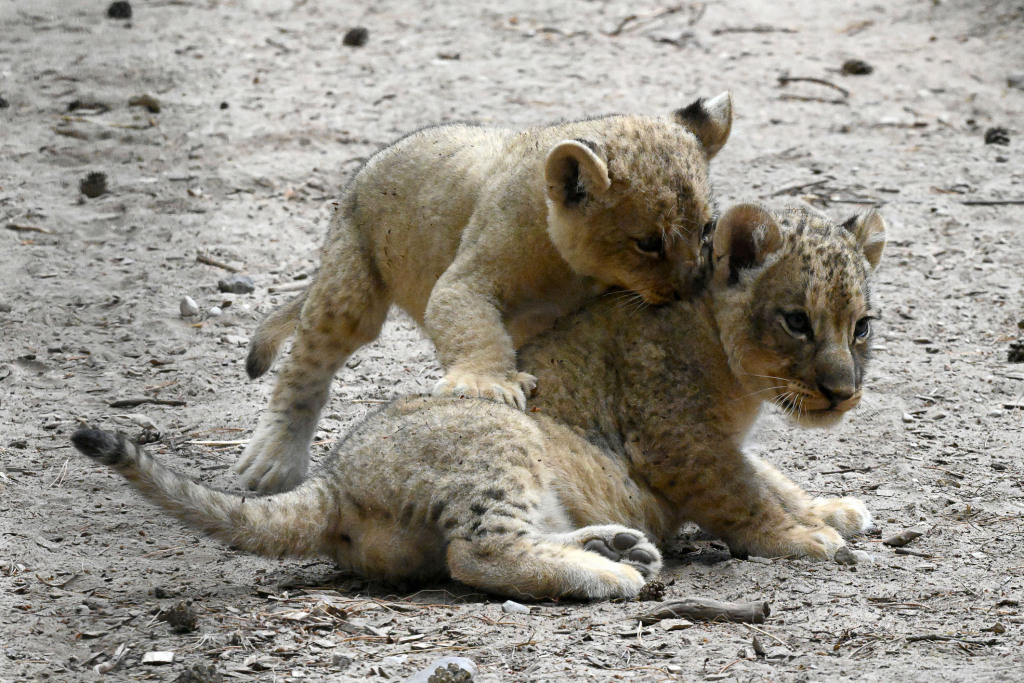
869, 230
745, 235
710, 120
574, 170
104, 447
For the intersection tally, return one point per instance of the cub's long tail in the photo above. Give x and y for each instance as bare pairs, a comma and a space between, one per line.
270, 334
296, 523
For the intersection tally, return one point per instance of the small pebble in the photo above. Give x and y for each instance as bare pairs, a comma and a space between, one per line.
215, 311
512, 607
182, 617
1015, 81
861, 557
146, 100
857, 67
93, 185
4, 103
237, 284
120, 10
356, 37
188, 307
200, 673
1016, 352
997, 136
444, 670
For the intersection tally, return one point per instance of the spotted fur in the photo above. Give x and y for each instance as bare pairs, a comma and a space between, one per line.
639, 429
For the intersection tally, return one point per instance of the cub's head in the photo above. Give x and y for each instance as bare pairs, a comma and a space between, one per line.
792, 299
629, 202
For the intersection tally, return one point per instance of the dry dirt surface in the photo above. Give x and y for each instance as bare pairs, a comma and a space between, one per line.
263, 115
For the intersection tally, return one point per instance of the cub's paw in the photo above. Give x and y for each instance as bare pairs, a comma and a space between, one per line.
512, 391
848, 516
820, 543
620, 544
271, 465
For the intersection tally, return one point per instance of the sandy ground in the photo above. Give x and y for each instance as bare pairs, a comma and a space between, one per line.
264, 114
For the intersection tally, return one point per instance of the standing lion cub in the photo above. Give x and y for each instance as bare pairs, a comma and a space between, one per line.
485, 236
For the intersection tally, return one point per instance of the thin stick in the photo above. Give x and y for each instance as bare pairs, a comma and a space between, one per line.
20, 227
958, 639
704, 609
992, 202
804, 98
139, 400
210, 261
783, 80
796, 188
765, 633
752, 29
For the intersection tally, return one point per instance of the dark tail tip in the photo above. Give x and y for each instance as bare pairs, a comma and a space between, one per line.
99, 445
256, 364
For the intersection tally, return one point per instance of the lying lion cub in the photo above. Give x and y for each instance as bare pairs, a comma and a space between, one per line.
485, 236
638, 430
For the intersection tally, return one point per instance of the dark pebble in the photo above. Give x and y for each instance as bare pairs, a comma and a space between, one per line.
120, 10
1016, 353
857, 67
997, 136
652, 590
4, 103
200, 673
146, 100
356, 37
182, 617
94, 184
237, 284
224, 105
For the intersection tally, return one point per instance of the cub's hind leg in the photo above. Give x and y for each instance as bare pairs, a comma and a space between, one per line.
344, 308
592, 563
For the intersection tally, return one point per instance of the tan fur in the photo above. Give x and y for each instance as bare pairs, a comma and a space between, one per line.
485, 237
639, 430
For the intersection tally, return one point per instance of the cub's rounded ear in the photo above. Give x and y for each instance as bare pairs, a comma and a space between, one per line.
574, 171
745, 235
710, 120
868, 229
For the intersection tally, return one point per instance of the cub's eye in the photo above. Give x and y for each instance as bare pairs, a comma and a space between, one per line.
862, 329
652, 245
797, 323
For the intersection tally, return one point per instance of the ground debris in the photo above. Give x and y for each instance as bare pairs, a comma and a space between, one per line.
356, 37
997, 136
651, 591
122, 9
94, 184
857, 67
903, 538
182, 617
706, 609
200, 673
445, 670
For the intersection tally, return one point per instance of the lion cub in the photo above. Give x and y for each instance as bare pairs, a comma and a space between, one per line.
485, 236
570, 500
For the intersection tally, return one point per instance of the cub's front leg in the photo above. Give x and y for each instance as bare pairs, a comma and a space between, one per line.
465, 321
758, 511
848, 516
